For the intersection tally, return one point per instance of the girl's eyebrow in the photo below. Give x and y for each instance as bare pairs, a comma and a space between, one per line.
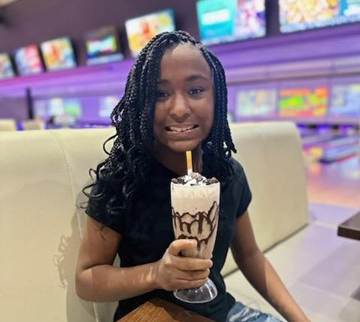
196, 77
188, 79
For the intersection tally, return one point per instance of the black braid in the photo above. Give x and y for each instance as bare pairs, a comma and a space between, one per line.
126, 168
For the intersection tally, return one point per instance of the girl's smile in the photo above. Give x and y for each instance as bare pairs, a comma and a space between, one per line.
181, 128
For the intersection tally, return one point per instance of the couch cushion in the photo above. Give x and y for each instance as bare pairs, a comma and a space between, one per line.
82, 151
7, 125
39, 231
271, 155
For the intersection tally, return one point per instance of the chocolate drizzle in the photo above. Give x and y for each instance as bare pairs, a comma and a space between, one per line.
194, 229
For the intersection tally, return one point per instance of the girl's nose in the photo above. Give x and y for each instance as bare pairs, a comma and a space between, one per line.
180, 109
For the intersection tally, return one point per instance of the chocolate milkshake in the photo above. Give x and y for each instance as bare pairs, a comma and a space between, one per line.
195, 212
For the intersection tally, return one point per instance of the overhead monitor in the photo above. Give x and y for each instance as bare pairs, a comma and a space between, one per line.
222, 21
303, 101
107, 104
252, 103
59, 111
345, 100
310, 14
58, 54
28, 60
6, 68
102, 46
142, 29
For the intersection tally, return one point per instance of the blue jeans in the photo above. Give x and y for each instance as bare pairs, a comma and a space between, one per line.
241, 313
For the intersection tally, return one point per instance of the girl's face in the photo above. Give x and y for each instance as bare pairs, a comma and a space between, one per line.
184, 111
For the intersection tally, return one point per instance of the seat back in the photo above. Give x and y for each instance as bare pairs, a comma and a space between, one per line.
7, 125
42, 174
271, 155
33, 125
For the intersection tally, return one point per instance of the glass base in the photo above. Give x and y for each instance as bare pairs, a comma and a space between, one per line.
202, 294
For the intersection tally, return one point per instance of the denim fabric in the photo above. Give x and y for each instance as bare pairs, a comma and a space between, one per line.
241, 313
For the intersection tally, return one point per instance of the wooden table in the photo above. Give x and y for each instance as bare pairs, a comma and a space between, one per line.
158, 310
350, 228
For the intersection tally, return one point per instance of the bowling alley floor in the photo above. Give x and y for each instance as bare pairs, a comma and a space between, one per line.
336, 183
320, 269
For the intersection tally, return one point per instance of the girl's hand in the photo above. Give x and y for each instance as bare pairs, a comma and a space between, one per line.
174, 272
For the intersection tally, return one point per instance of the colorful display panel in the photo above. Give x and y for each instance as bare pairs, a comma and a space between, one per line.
6, 69
28, 60
102, 46
345, 100
58, 54
106, 105
222, 21
76, 111
303, 102
59, 111
298, 15
140, 30
255, 103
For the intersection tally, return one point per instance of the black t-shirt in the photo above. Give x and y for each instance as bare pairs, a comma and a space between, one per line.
147, 232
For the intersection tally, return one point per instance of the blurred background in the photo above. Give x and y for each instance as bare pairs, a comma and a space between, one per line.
65, 63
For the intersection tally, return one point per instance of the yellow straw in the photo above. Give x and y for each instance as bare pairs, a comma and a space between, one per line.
188, 162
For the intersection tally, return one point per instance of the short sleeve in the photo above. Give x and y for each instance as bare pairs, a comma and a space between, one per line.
97, 208
241, 189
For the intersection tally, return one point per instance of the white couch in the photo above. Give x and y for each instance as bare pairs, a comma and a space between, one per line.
42, 173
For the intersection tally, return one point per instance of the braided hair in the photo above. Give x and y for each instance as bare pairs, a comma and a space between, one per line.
127, 165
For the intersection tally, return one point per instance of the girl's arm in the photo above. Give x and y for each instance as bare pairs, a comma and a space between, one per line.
97, 280
259, 272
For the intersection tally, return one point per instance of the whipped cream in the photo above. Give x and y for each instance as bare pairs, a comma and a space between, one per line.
194, 179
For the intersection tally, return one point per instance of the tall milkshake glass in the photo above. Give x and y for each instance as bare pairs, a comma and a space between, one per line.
195, 212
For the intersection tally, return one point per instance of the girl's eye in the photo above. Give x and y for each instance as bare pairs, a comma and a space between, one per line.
160, 94
195, 91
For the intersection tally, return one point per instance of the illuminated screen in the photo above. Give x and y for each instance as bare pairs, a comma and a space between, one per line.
298, 15
58, 54
102, 46
64, 110
28, 60
345, 100
140, 30
65, 106
69, 111
6, 69
253, 103
303, 102
106, 105
222, 21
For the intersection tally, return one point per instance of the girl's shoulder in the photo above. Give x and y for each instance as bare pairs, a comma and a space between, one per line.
237, 175
237, 167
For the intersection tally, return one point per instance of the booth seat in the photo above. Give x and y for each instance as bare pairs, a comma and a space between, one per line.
7, 125
30, 125
41, 218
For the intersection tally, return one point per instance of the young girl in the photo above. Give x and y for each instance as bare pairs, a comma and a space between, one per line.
175, 101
